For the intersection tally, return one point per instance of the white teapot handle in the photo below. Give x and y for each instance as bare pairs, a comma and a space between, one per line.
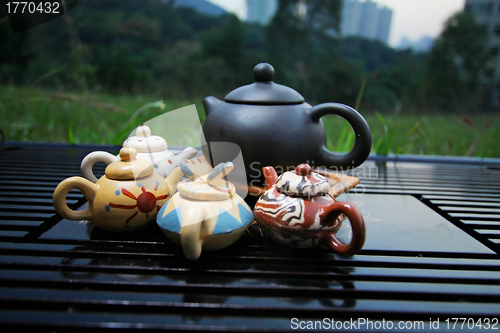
92, 158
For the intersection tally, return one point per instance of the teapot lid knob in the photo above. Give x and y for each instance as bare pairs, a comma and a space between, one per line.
143, 130
303, 169
264, 91
263, 72
144, 142
128, 154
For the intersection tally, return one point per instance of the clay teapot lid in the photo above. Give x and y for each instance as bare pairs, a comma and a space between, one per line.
302, 182
209, 187
144, 142
128, 167
264, 91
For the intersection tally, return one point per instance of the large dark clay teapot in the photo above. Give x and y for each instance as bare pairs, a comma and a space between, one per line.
274, 126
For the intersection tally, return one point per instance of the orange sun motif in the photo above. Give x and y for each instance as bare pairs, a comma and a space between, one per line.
145, 202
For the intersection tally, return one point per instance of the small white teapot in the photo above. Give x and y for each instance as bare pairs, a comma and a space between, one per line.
149, 147
206, 213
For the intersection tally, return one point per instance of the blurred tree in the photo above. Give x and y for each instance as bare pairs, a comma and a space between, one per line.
254, 37
14, 57
119, 71
154, 47
227, 43
184, 71
335, 79
457, 68
296, 17
291, 32
372, 54
395, 84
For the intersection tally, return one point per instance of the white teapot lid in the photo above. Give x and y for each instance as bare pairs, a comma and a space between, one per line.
209, 187
144, 142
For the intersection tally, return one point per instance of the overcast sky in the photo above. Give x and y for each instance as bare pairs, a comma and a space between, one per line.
410, 18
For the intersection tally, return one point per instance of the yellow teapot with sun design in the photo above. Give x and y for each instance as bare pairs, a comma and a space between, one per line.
126, 198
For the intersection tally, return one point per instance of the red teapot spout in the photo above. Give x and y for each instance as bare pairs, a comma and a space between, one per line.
270, 175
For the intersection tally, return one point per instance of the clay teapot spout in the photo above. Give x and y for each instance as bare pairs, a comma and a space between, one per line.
210, 103
270, 175
186, 154
173, 179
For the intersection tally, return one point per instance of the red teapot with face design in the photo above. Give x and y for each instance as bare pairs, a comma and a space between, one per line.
298, 210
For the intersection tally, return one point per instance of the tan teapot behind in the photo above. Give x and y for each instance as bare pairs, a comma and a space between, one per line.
152, 148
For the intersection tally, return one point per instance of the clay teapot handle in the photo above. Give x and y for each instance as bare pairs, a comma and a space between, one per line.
362, 145
88, 190
91, 159
357, 224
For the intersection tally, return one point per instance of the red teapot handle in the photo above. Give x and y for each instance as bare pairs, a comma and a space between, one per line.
357, 224
362, 144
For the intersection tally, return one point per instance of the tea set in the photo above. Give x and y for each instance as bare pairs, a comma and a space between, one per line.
194, 204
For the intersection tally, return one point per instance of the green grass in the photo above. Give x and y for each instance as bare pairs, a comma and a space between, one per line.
428, 134
48, 116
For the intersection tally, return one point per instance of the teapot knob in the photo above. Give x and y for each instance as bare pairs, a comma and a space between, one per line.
143, 130
303, 169
128, 154
263, 72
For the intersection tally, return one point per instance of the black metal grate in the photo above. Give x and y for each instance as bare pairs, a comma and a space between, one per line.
58, 274
467, 196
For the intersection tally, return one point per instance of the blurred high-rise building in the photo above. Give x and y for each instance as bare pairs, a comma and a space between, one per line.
261, 11
487, 12
369, 20
365, 19
384, 24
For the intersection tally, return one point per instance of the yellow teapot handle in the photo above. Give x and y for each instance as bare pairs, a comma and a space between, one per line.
88, 190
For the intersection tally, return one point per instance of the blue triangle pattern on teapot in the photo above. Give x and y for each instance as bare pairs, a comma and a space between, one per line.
227, 223
171, 221
246, 215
